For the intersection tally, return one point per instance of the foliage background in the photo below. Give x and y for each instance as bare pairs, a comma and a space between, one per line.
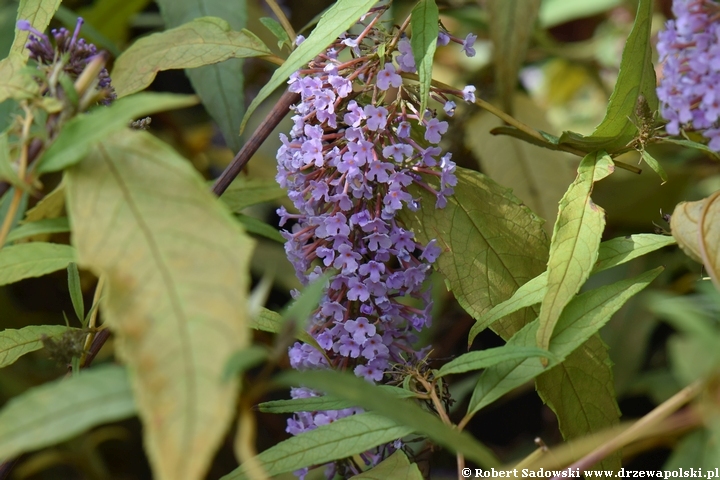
569, 71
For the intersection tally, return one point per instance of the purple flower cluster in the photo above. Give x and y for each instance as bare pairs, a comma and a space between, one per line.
358, 143
689, 89
79, 52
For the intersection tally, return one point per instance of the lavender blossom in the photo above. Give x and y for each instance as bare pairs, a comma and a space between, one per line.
347, 166
78, 52
689, 50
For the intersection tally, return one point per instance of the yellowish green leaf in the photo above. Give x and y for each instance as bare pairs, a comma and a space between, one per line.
16, 343
610, 254
83, 131
203, 41
176, 265
62, 409
29, 260
342, 438
40, 227
38, 13
395, 467
582, 318
575, 242
14, 82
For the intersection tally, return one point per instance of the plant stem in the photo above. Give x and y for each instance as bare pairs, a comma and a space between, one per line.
93, 319
649, 421
253, 144
22, 169
283, 19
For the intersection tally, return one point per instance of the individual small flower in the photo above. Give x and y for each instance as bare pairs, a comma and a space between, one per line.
449, 108
468, 44
468, 93
443, 38
388, 77
434, 130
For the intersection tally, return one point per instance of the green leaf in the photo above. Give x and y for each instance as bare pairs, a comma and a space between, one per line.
16, 343
38, 13
610, 254
203, 41
655, 165
538, 177
581, 392
76, 295
489, 357
68, 18
636, 77
580, 320
512, 23
342, 15
243, 193
176, 265
491, 243
29, 260
272, 322
15, 83
689, 143
243, 360
326, 402
7, 171
59, 410
395, 467
277, 30
424, 24
698, 449
258, 227
220, 86
357, 390
343, 438
40, 227
575, 242
84, 131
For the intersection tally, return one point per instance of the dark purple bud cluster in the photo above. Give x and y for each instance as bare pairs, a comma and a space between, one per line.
689, 50
358, 143
75, 52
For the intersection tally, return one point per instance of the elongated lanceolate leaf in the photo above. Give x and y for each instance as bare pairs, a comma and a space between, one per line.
580, 320
491, 243
176, 266
44, 226
83, 131
511, 26
16, 343
38, 13
220, 85
636, 77
489, 357
357, 390
610, 254
424, 24
395, 467
696, 227
343, 438
14, 83
29, 260
59, 410
574, 244
203, 41
342, 15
